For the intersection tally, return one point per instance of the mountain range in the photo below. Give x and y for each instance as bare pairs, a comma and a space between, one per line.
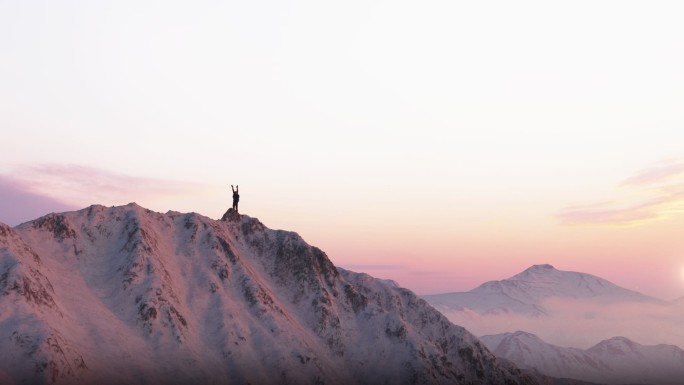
573, 309
616, 360
125, 295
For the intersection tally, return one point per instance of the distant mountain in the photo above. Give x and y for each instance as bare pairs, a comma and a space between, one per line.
525, 293
529, 351
614, 361
124, 295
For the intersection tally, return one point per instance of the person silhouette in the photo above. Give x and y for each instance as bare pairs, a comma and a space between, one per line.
236, 197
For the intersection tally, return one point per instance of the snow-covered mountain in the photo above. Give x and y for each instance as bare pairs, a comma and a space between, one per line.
529, 351
636, 363
126, 295
614, 361
526, 292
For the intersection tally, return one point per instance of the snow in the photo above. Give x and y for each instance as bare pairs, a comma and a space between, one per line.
116, 295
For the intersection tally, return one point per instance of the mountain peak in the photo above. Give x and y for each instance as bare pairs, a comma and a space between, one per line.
522, 336
615, 346
231, 216
542, 267
617, 341
202, 300
535, 272
540, 281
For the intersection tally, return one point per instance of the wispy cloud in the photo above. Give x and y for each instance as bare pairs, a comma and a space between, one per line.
65, 187
653, 193
80, 184
665, 171
370, 266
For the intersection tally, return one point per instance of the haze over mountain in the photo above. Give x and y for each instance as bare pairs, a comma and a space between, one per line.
563, 307
126, 295
614, 361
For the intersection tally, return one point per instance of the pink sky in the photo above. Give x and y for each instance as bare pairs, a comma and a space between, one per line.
439, 144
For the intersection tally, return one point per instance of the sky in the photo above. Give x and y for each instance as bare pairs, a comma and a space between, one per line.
437, 143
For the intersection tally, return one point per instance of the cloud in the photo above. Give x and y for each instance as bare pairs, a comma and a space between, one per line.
405, 270
660, 173
609, 214
18, 204
86, 184
582, 323
653, 193
36, 190
368, 266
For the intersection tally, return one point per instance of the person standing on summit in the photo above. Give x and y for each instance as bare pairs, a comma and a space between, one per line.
236, 197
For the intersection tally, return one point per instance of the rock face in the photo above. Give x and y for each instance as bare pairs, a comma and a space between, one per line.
126, 295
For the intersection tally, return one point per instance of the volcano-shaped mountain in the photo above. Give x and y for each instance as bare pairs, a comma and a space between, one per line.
525, 293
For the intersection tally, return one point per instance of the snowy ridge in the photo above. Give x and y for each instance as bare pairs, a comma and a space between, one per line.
614, 361
126, 295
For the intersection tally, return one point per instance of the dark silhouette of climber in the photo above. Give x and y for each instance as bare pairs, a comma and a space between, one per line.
236, 197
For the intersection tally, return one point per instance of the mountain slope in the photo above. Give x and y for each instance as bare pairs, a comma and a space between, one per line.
526, 292
30, 345
614, 361
126, 295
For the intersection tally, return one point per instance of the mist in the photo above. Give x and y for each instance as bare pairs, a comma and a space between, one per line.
584, 323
